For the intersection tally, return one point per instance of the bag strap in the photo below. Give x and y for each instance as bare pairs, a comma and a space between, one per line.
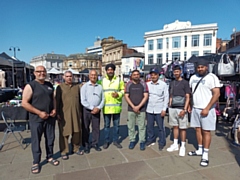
199, 83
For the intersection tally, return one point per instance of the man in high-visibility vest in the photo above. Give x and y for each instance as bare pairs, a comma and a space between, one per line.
113, 88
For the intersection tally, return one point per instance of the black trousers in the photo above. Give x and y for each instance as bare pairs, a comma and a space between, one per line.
47, 127
89, 118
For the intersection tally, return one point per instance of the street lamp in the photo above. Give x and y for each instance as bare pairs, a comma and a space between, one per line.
234, 30
13, 78
14, 49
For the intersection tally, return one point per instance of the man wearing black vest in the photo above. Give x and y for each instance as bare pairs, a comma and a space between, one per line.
38, 100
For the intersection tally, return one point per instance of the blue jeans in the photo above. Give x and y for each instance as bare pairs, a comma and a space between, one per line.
107, 122
161, 128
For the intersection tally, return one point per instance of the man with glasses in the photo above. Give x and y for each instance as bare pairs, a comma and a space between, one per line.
38, 99
92, 99
69, 111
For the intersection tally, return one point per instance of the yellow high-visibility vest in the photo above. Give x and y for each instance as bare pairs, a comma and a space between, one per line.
112, 105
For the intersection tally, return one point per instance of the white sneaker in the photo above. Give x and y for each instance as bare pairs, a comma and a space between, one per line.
172, 148
182, 151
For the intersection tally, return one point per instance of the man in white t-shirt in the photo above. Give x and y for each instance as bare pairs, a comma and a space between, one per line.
203, 117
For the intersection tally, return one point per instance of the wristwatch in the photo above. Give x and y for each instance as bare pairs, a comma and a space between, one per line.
185, 110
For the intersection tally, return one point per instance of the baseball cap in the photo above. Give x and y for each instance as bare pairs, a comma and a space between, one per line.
154, 70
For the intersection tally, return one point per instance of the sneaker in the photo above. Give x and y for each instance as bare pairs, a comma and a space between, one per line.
182, 151
142, 146
106, 145
148, 144
131, 145
172, 148
118, 145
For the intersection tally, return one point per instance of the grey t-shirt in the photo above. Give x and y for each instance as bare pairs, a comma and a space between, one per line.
136, 94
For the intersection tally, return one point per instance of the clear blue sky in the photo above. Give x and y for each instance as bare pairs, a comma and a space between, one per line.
69, 26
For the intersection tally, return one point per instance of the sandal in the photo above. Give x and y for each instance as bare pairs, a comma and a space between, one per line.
79, 152
193, 153
53, 162
204, 162
35, 169
64, 157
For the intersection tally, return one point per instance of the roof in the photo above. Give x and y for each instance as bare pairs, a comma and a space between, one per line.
234, 50
134, 55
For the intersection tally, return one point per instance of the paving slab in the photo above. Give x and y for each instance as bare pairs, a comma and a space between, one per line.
105, 158
15, 171
138, 155
75, 163
90, 174
131, 171
222, 172
169, 165
187, 176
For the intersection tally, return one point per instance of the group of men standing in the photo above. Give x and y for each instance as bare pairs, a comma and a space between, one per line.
77, 106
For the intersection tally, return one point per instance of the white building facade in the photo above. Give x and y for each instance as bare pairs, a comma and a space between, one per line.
179, 41
49, 61
96, 49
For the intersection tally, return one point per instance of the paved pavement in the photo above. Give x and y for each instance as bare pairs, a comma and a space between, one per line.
125, 164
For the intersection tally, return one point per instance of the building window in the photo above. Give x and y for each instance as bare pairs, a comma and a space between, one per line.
159, 59
206, 52
150, 59
127, 60
195, 40
185, 55
207, 40
160, 43
70, 63
127, 70
185, 41
176, 42
96, 64
91, 64
167, 42
196, 53
176, 56
150, 45
167, 57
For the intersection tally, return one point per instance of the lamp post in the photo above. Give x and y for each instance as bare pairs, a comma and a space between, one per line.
13, 78
14, 48
234, 30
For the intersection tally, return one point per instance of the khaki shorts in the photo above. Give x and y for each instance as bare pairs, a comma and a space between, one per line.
175, 120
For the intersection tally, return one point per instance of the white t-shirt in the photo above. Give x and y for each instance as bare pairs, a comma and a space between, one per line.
203, 93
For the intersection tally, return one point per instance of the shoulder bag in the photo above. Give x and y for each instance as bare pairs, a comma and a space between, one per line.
177, 101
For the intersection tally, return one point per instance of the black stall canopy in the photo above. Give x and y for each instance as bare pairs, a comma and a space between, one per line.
234, 50
22, 71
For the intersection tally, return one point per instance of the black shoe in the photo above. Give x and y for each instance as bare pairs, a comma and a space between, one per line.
96, 147
131, 145
160, 148
118, 145
142, 146
87, 150
106, 145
